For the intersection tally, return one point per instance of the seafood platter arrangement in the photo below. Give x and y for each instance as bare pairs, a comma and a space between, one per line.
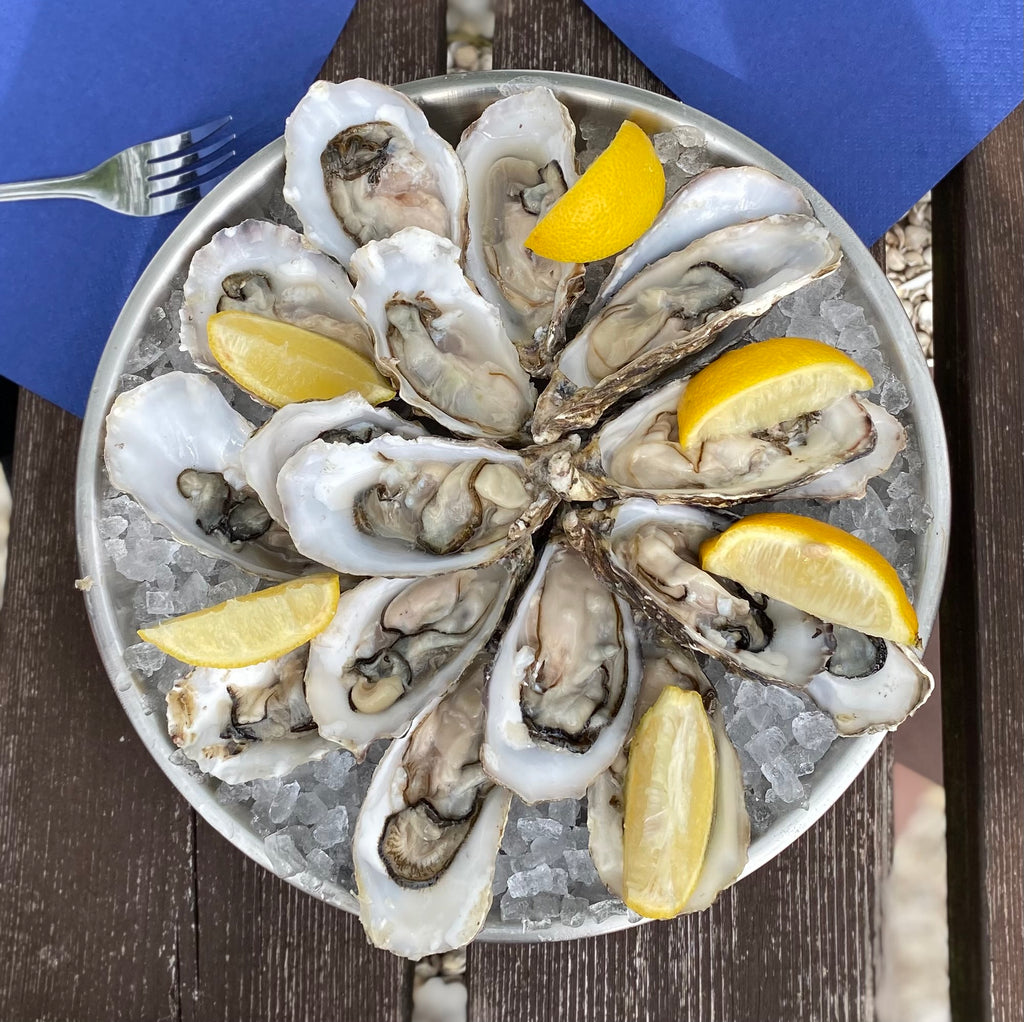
514, 510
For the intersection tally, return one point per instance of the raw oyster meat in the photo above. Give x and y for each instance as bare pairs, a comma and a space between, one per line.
399, 507
175, 445
637, 453
396, 646
361, 162
726, 854
520, 158
269, 270
674, 308
708, 202
561, 690
651, 551
346, 419
442, 344
428, 833
246, 722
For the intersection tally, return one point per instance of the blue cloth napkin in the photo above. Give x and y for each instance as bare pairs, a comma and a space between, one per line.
872, 101
78, 83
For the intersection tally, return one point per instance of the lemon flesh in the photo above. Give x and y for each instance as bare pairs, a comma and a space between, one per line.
609, 207
765, 383
669, 799
250, 629
816, 568
281, 363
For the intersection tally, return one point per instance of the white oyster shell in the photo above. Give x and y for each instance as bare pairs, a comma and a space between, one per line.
271, 271
708, 202
396, 646
321, 486
295, 425
562, 687
442, 344
436, 764
181, 421
520, 158
246, 722
675, 307
402, 173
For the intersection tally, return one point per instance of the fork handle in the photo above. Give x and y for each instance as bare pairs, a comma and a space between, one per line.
76, 186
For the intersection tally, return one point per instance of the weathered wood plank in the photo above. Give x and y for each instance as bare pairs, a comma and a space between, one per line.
799, 939
95, 845
978, 224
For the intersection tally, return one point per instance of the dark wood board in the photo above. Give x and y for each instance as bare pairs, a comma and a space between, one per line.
978, 225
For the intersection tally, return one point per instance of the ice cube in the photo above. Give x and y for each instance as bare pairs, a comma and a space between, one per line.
284, 802
566, 811
750, 693
159, 603
502, 871
760, 716
786, 704
332, 828
602, 910
321, 866
531, 828
285, 858
780, 774
814, 730
513, 910
539, 880
144, 658
233, 794
581, 866
309, 808
574, 911
334, 768
766, 745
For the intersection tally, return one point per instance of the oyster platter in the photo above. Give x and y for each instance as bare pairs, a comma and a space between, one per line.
474, 637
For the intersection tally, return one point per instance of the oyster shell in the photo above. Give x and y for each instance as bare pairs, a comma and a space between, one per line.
708, 202
174, 444
247, 722
651, 551
428, 833
396, 646
726, 854
361, 162
346, 419
410, 507
562, 687
675, 307
520, 158
637, 454
442, 344
269, 270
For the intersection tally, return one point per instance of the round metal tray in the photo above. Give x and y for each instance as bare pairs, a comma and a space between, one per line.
451, 103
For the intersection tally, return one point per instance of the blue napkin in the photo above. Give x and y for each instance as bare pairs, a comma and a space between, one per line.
78, 83
872, 101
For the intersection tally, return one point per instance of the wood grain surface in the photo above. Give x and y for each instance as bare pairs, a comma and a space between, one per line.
978, 224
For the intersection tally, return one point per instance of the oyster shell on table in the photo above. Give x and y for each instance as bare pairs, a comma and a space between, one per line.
346, 419
269, 270
399, 507
651, 551
637, 454
520, 158
397, 645
676, 307
361, 162
726, 854
563, 683
175, 444
246, 722
441, 343
428, 833
708, 202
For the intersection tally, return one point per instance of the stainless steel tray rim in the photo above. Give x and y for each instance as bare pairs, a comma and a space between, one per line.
436, 94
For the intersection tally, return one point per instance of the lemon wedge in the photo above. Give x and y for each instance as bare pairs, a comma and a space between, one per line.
609, 207
669, 799
281, 363
250, 629
764, 383
817, 568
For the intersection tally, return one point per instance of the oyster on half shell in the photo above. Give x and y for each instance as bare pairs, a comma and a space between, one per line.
637, 454
361, 162
397, 645
562, 687
651, 551
428, 833
399, 507
520, 158
442, 344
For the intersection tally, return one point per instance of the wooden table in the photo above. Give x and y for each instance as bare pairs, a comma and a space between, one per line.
118, 902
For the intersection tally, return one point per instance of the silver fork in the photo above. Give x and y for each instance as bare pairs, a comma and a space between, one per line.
145, 179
